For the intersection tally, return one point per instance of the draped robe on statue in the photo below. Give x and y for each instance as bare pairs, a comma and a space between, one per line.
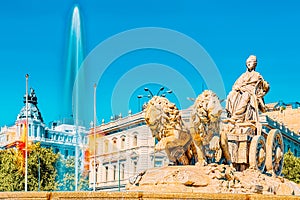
246, 97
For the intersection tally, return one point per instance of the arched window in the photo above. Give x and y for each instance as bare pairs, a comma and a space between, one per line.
134, 143
114, 140
29, 129
97, 170
21, 129
106, 174
122, 142
134, 167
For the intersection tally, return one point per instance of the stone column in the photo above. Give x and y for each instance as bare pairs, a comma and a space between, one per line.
32, 129
38, 131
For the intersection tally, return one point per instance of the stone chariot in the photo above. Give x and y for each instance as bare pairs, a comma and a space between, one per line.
238, 138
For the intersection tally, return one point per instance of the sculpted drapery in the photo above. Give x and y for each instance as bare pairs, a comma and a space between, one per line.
246, 97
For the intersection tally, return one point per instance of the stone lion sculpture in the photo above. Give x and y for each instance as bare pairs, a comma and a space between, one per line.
205, 129
201, 143
166, 125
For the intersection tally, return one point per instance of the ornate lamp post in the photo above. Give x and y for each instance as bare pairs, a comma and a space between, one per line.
26, 135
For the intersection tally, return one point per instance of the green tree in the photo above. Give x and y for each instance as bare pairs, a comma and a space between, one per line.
66, 168
291, 167
11, 170
41, 169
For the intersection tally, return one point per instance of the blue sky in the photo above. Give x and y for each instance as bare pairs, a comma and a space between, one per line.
34, 40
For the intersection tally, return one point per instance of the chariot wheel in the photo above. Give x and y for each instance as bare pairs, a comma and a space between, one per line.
257, 153
274, 154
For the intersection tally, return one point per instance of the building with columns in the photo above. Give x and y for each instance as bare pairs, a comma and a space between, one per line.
60, 137
124, 147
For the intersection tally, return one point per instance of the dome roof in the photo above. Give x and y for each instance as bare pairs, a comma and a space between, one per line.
33, 110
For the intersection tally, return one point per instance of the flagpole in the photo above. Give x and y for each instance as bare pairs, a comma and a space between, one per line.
26, 134
95, 175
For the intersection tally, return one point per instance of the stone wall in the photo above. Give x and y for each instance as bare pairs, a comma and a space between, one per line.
130, 195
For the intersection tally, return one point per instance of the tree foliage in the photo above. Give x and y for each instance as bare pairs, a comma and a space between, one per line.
41, 169
11, 170
41, 165
66, 176
291, 167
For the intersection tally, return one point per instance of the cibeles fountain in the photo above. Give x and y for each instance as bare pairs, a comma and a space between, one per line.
232, 155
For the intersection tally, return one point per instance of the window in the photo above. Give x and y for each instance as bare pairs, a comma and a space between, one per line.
106, 174
115, 172
122, 142
29, 129
114, 144
134, 167
21, 129
122, 171
135, 140
35, 131
66, 152
97, 166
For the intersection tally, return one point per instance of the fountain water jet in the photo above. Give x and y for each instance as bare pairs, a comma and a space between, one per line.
74, 59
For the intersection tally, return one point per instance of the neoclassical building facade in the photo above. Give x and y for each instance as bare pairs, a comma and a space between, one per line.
124, 147
59, 136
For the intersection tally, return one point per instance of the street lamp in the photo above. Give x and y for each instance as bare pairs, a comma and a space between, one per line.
147, 90
94, 186
26, 135
139, 101
160, 89
164, 94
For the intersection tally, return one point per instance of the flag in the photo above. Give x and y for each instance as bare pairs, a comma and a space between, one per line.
87, 159
22, 142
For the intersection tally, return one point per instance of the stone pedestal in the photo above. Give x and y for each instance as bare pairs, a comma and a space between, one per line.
212, 179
